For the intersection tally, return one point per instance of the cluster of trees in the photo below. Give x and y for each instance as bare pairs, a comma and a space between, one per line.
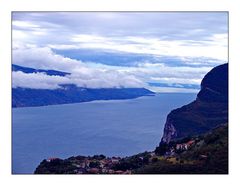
132, 162
211, 157
57, 166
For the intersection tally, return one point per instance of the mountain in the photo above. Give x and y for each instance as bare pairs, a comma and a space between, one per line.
27, 70
208, 111
26, 97
214, 86
68, 93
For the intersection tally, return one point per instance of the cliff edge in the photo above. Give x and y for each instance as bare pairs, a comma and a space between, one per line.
208, 111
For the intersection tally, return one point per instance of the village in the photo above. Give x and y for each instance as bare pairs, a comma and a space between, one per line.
99, 164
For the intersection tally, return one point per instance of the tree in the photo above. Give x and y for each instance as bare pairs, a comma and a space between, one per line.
94, 164
161, 149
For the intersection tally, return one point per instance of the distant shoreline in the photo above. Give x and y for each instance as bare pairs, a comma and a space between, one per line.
109, 100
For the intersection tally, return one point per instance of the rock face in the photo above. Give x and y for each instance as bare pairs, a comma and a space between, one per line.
209, 110
214, 86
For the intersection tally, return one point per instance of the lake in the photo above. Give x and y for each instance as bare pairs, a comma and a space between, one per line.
113, 128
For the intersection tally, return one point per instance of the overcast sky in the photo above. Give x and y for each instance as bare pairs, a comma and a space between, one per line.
171, 51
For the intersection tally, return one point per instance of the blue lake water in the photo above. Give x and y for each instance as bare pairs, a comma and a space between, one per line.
113, 128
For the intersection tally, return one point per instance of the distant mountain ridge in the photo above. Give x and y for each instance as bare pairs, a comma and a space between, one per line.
68, 93
22, 97
28, 70
209, 110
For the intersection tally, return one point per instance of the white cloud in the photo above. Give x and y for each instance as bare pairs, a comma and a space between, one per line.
150, 65
191, 35
167, 74
94, 75
36, 80
199, 40
44, 58
18, 35
24, 24
82, 75
173, 90
44, 81
213, 47
172, 80
107, 79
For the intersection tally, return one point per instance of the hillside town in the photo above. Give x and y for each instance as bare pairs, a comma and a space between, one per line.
100, 164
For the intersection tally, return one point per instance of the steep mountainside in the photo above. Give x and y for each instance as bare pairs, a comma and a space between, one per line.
207, 155
214, 86
209, 110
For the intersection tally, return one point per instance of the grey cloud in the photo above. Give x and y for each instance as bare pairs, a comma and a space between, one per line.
169, 25
123, 31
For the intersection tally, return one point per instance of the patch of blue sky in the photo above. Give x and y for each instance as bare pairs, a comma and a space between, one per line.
128, 59
105, 57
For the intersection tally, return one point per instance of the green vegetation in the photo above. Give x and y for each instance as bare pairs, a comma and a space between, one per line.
209, 155
132, 162
56, 166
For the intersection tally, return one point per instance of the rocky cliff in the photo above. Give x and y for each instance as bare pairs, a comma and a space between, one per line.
209, 110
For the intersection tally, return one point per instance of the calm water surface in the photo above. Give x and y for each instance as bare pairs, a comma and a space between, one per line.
112, 128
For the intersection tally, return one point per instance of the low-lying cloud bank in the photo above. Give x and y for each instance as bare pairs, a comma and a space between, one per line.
95, 75
100, 80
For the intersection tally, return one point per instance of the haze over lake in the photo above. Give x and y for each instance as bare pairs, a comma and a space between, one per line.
113, 128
